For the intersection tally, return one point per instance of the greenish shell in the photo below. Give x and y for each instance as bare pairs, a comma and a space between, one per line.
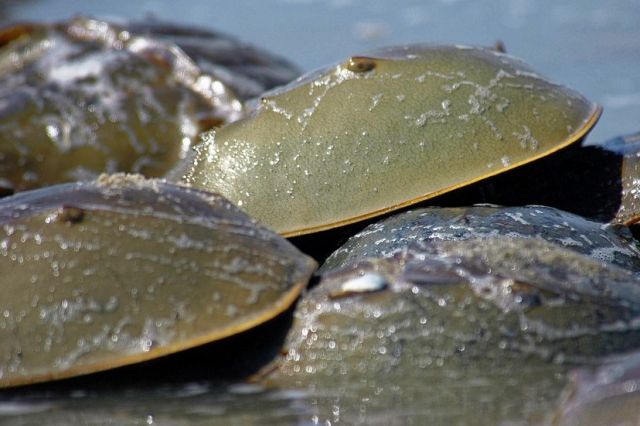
121, 270
613, 244
493, 322
382, 131
84, 97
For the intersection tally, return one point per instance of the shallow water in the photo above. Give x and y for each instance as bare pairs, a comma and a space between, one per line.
590, 45
187, 404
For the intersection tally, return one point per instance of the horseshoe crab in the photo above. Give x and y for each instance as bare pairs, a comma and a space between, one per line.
461, 327
378, 132
84, 97
103, 274
614, 244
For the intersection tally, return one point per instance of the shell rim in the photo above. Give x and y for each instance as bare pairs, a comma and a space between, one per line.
280, 307
588, 124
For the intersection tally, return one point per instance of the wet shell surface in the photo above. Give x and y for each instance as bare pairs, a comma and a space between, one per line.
607, 395
628, 147
247, 70
107, 273
608, 243
86, 96
381, 131
457, 328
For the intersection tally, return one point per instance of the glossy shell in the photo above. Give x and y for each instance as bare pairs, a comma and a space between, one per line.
247, 70
379, 132
456, 328
628, 147
86, 96
608, 395
108, 273
613, 244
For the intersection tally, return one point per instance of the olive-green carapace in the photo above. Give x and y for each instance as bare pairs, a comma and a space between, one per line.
121, 270
381, 131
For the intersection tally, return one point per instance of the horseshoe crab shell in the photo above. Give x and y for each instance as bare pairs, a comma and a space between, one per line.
489, 326
614, 244
103, 274
86, 96
382, 131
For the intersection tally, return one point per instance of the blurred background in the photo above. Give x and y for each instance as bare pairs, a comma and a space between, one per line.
590, 45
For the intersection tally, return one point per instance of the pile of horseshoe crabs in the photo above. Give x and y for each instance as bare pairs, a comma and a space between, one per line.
454, 248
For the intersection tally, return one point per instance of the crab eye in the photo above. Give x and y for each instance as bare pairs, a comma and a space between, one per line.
360, 64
